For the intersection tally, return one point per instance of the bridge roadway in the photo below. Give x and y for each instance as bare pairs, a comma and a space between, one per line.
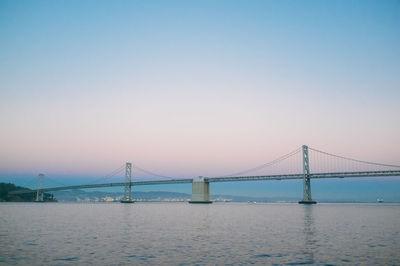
225, 179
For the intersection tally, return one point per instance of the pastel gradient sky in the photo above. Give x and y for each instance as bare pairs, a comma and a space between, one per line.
190, 88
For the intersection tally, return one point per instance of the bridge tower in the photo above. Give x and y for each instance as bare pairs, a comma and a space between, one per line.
39, 190
306, 178
128, 184
200, 190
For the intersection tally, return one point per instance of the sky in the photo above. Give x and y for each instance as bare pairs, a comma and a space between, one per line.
189, 88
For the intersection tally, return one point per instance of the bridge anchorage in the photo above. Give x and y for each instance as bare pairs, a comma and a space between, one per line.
200, 191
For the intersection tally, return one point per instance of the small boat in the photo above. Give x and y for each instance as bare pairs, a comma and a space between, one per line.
379, 200
127, 201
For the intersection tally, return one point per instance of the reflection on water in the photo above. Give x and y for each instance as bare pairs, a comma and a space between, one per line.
309, 233
178, 233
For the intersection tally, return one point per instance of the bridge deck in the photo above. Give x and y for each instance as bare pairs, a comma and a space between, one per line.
224, 179
300, 176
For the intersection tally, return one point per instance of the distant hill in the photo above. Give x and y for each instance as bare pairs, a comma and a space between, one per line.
5, 188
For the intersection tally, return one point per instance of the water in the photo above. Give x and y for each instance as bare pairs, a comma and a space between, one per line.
180, 233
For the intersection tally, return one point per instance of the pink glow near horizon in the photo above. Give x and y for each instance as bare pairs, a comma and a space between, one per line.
184, 137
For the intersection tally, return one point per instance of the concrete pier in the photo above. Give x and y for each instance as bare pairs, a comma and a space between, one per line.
200, 191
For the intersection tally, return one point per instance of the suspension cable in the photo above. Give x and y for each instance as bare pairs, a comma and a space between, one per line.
109, 175
30, 182
54, 181
266, 164
151, 173
354, 160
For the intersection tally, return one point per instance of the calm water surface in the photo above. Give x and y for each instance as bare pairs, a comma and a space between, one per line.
180, 233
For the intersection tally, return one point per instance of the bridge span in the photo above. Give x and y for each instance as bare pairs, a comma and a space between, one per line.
201, 185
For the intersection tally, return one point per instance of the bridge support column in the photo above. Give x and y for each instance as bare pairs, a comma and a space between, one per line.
200, 191
306, 179
128, 184
39, 190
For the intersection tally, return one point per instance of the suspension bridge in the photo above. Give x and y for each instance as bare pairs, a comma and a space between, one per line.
303, 163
